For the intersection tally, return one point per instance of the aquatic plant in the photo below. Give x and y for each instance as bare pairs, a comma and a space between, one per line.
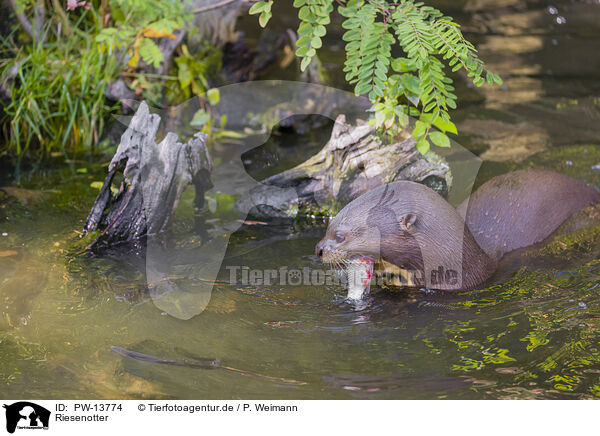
414, 85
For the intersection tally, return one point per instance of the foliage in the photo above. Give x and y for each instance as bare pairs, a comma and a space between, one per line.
194, 72
263, 8
55, 81
205, 119
55, 86
189, 76
415, 84
136, 22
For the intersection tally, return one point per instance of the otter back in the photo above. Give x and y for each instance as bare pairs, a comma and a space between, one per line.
522, 208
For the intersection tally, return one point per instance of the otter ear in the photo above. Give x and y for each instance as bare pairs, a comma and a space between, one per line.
408, 221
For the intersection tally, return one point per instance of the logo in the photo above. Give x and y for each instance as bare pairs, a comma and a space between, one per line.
26, 415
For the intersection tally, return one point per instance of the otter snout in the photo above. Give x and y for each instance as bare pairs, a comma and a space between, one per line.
323, 247
319, 248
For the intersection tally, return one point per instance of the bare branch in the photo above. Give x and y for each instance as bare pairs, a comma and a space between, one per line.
33, 30
219, 5
22, 19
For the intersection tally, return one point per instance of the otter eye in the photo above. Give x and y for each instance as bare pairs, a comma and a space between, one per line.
339, 237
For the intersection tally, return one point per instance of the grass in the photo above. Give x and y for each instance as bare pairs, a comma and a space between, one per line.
56, 79
57, 101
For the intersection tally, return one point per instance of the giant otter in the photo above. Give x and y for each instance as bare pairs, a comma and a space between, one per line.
407, 226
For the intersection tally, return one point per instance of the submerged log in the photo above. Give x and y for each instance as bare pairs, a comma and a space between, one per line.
154, 177
354, 161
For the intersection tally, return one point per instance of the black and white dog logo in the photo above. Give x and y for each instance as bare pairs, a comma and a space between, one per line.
26, 415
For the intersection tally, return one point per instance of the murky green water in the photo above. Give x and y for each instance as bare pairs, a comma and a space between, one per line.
535, 334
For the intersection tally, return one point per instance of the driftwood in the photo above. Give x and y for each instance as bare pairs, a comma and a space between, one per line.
354, 161
154, 177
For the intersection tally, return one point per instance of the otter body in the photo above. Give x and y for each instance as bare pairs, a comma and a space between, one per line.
521, 208
408, 226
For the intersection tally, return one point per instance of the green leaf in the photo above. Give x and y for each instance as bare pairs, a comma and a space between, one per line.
411, 83
150, 52
319, 31
305, 14
302, 51
323, 20
403, 65
440, 139
402, 118
362, 88
306, 29
420, 129
413, 111
184, 74
304, 41
200, 119
214, 96
264, 18
379, 118
258, 7
316, 42
423, 146
305, 63
445, 126
414, 99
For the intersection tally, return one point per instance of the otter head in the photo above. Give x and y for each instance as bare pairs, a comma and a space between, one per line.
348, 240
374, 226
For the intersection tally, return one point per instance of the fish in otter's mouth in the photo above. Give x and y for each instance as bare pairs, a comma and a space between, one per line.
355, 271
358, 275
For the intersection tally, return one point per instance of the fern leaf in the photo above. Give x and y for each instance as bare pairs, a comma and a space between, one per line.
314, 16
150, 52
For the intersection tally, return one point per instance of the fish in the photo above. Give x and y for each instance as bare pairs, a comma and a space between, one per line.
358, 274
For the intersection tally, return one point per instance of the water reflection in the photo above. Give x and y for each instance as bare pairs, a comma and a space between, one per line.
539, 50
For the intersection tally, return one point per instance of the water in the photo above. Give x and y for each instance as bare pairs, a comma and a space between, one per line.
534, 334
